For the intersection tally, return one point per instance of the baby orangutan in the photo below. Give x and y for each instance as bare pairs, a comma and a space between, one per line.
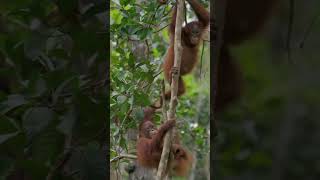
150, 144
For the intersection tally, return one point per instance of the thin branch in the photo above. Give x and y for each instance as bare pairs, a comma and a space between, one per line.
164, 15
202, 50
148, 49
73, 173
122, 156
161, 28
308, 30
63, 158
167, 13
290, 25
157, 74
164, 105
99, 134
155, 12
153, 77
59, 164
174, 89
126, 117
185, 13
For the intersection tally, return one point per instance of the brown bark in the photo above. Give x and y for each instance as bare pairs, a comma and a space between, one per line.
174, 89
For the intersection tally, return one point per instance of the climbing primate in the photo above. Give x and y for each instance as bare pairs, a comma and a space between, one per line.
190, 39
243, 19
150, 144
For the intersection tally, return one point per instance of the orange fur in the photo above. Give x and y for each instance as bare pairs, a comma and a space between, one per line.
182, 163
243, 20
149, 146
190, 48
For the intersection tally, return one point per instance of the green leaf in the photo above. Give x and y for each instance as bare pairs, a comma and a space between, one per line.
12, 102
91, 115
37, 119
125, 2
98, 8
144, 33
116, 16
15, 145
47, 146
144, 68
37, 87
90, 162
7, 125
57, 78
67, 122
35, 45
61, 88
127, 7
121, 99
123, 142
141, 99
5, 137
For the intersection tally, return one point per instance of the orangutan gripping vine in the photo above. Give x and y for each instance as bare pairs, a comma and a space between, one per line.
190, 38
150, 144
243, 19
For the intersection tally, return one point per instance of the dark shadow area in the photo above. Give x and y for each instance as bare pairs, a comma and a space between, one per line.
53, 89
273, 130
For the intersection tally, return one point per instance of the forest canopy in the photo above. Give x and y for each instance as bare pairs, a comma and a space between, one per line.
139, 42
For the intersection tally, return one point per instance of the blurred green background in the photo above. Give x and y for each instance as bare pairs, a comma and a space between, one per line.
273, 131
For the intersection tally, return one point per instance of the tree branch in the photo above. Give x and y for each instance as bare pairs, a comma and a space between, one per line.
217, 24
308, 30
290, 26
63, 158
174, 89
127, 156
164, 105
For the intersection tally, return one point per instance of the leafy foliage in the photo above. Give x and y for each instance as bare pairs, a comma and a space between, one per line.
139, 40
53, 61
